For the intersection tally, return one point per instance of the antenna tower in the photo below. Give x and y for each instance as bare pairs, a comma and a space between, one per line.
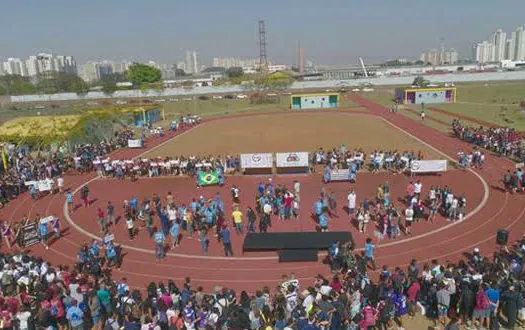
263, 60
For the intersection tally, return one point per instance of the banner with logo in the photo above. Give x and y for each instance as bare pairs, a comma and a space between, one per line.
340, 175
257, 160
292, 159
42, 185
136, 143
428, 166
207, 178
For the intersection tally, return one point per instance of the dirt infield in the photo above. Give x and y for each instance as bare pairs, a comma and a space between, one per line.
296, 131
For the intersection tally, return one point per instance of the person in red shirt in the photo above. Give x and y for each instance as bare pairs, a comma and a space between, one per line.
336, 284
412, 292
410, 190
100, 220
58, 311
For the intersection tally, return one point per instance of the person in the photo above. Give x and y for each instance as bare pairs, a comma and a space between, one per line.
251, 219
44, 232
512, 302
84, 195
175, 233
159, 243
297, 189
129, 226
369, 253
226, 240
60, 184
55, 226
203, 238
75, 316
110, 210
443, 303
69, 201
409, 217
237, 220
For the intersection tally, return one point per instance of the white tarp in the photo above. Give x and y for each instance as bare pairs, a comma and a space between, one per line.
42, 185
136, 143
292, 159
340, 175
257, 160
428, 166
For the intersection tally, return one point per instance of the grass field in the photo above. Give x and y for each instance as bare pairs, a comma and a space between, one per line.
290, 132
39, 125
495, 102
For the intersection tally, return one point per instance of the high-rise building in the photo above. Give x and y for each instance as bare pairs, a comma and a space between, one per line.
229, 62
440, 57
485, 52
89, 71
450, 56
519, 53
14, 66
499, 39
192, 62
510, 52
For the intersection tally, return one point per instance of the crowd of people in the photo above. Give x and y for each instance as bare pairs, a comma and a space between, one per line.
342, 158
160, 166
25, 165
478, 292
502, 140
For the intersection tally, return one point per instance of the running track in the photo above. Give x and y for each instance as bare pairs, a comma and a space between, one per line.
499, 210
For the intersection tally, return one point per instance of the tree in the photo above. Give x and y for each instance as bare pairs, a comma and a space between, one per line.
109, 82
276, 80
16, 85
420, 82
139, 74
61, 82
234, 72
179, 73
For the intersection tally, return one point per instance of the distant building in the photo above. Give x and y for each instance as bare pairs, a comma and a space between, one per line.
39, 64
499, 40
229, 62
440, 57
485, 52
192, 62
14, 66
519, 50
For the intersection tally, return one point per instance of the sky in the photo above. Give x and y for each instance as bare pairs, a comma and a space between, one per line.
330, 31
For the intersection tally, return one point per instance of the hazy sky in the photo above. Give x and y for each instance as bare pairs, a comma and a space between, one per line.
330, 31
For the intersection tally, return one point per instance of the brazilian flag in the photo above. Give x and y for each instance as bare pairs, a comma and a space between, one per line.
207, 178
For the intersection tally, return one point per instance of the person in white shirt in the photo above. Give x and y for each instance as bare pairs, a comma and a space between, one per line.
351, 202
23, 316
453, 210
297, 190
409, 217
418, 187
60, 184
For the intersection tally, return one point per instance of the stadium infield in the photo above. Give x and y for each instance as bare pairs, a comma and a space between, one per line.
488, 210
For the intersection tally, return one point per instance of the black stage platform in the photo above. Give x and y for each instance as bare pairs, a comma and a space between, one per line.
294, 242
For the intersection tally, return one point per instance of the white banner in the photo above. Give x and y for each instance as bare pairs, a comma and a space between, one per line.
428, 166
256, 160
292, 159
42, 185
340, 175
137, 143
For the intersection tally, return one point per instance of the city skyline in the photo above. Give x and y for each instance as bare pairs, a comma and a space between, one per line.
342, 32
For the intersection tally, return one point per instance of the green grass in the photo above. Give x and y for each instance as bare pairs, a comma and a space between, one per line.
493, 102
496, 102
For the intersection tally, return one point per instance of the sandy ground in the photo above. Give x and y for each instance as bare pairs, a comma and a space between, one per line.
290, 132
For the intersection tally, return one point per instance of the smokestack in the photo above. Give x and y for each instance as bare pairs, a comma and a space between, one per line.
300, 58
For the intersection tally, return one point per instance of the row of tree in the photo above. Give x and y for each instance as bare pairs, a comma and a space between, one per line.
62, 82
142, 76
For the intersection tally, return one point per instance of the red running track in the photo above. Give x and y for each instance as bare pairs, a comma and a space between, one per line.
249, 272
